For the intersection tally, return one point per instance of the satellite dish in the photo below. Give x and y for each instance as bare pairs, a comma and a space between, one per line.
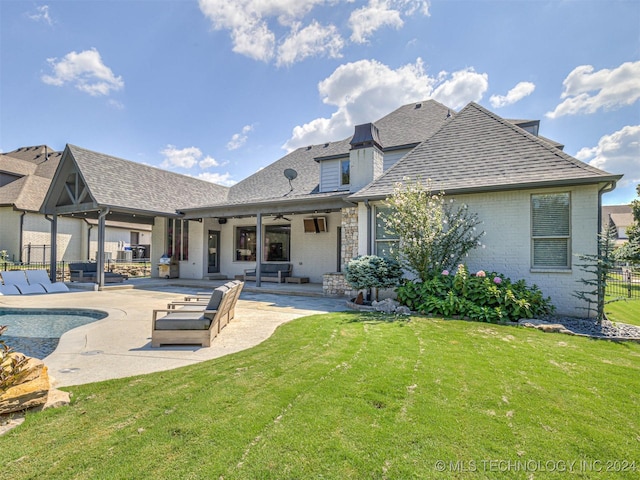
291, 174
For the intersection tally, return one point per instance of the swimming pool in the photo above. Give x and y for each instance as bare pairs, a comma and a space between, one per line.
37, 331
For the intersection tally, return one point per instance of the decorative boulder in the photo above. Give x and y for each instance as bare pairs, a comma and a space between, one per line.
31, 392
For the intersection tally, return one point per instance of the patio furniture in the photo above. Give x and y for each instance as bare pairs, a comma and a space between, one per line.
270, 272
9, 290
41, 277
88, 272
19, 280
187, 326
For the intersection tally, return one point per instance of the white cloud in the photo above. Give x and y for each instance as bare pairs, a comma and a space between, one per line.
366, 20
208, 162
587, 91
41, 15
183, 158
217, 178
617, 153
248, 21
273, 29
366, 90
239, 139
312, 40
463, 87
517, 93
85, 71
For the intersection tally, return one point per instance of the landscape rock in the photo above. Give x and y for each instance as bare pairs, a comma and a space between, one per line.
31, 392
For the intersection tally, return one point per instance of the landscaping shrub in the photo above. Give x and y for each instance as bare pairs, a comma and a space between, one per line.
484, 297
371, 271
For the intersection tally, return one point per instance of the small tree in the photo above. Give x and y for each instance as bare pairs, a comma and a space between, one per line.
599, 267
371, 271
630, 251
434, 235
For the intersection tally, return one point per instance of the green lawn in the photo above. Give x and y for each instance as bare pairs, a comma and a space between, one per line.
347, 395
624, 311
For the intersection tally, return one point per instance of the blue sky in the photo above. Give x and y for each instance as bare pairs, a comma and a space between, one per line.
218, 89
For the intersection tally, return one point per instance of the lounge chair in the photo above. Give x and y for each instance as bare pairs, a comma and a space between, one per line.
199, 326
19, 279
9, 290
40, 277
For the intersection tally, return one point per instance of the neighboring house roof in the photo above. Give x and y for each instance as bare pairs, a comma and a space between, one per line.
408, 125
129, 187
479, 151
620, 215
35, 167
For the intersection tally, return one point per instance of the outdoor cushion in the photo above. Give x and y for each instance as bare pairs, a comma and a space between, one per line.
183, 321
19, 279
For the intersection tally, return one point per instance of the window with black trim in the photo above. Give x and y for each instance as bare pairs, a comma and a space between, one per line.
245, 244
277, 243
551, 230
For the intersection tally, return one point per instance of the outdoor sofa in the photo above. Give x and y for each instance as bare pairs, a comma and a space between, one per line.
270, 272
88, 272
195, 323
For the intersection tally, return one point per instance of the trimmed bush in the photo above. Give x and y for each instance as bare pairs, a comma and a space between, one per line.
371, 271
485, 297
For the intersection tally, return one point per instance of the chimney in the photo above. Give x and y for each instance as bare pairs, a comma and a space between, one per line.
365, 157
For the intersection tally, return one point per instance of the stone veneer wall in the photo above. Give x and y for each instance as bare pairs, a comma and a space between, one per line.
349, 240
334, 284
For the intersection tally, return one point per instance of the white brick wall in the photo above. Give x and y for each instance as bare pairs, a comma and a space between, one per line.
506, 220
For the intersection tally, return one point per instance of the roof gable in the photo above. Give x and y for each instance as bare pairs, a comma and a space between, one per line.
480, 151
87, 180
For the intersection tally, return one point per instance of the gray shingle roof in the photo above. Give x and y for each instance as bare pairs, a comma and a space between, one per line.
118, 183
479, 151
28, 192
407, 125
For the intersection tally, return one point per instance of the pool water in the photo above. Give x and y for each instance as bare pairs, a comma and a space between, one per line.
36, 332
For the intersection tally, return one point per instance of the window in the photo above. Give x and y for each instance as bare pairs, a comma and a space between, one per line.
551, 230
385, 240
345, 175
277, 239
277, 243
178, 238
245, 244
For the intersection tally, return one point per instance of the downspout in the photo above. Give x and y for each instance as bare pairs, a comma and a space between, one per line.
369, 230
606, 189
88, 238
21, 235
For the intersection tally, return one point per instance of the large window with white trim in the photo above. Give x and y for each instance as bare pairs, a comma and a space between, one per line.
551, 230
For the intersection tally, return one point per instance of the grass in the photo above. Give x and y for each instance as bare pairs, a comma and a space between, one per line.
349, 395
624, 311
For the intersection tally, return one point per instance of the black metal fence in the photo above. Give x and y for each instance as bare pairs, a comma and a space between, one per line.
136, 268
624, 283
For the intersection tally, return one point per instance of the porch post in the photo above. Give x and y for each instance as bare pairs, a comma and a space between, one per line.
53, 260
100, 259
258, 249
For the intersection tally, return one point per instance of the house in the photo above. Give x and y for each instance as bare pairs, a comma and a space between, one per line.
619, 217
316, 207
25, 177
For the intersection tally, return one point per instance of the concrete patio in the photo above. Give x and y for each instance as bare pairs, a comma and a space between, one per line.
119, 345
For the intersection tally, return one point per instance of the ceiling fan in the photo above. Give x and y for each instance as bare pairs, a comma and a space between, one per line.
280, 216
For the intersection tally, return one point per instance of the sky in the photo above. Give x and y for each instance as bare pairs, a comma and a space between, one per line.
218, 89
